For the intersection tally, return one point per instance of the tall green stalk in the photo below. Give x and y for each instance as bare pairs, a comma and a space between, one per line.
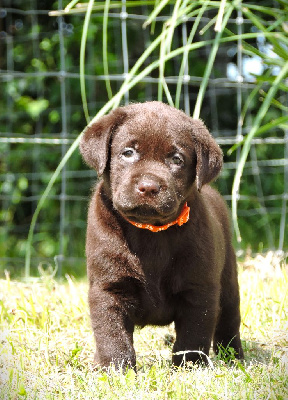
247, 144
210, 63
165, 48
105, 49
82, 58
185, 54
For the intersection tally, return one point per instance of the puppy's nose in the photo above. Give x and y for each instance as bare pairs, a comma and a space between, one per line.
148, 187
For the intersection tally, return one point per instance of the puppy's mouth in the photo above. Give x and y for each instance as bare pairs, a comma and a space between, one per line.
145, 214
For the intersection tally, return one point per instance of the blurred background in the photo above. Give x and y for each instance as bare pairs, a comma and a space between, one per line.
41, 110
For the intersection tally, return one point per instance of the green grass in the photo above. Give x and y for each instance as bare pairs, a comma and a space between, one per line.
46, 345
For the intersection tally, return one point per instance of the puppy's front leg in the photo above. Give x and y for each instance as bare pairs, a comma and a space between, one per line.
194, 325
112, 328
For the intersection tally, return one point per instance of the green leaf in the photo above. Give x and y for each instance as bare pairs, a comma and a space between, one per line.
33, 107
76, 350
22, 390
130, 377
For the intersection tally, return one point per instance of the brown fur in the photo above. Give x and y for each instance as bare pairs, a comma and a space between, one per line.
153, 158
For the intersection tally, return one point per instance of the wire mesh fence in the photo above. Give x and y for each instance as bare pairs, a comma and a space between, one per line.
41, 115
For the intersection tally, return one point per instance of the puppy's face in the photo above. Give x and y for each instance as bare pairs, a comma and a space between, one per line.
152, 169
151, 154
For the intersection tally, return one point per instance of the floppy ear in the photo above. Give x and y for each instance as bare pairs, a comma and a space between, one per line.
94, 144
208, 153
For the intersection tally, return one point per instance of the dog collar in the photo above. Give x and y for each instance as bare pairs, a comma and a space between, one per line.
182, 219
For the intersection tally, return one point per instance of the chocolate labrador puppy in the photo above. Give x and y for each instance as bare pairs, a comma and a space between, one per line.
158, 240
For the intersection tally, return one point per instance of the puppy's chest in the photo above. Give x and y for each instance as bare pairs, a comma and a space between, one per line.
156, 257
155, 298
155, 254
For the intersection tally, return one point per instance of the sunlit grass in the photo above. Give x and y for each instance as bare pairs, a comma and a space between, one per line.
46, 345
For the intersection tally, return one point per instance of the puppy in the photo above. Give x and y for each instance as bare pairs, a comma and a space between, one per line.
158, 241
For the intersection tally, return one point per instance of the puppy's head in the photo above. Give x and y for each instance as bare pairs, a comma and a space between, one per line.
152, 155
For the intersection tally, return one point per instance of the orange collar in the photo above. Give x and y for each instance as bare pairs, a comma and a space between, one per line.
182, 219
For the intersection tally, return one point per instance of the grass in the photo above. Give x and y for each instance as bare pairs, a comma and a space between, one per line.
46, 345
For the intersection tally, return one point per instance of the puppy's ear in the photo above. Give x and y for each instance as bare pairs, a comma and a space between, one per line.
208, 153
94, 144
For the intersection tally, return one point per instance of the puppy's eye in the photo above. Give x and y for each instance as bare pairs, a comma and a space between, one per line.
129, 154
177, 160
